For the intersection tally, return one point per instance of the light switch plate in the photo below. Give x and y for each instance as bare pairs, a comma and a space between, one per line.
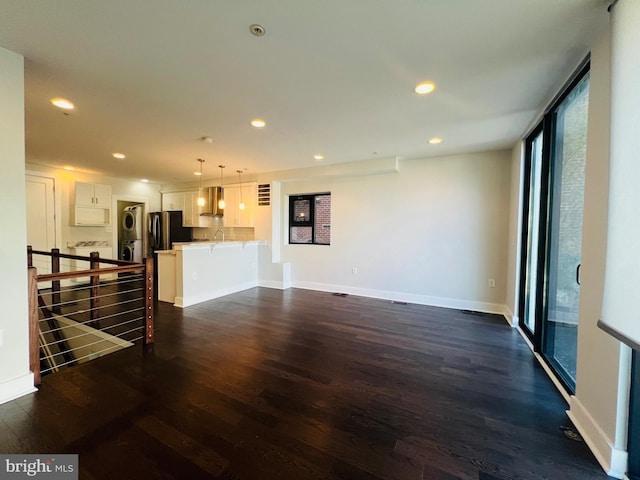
1, 337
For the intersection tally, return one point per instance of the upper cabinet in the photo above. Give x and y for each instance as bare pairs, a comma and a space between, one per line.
93, 195
233, 215
191, 213
173, 201
187, 203
92, 206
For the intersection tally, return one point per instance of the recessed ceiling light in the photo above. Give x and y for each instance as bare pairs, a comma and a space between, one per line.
144, 180
197, 174
118, 155
435, 140
62, 103
258, 122
318, 156
424, 88
69, 169
206, 140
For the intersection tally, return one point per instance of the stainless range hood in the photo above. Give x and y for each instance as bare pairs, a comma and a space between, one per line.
211, 197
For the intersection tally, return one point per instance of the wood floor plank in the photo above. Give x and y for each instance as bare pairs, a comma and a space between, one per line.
295, 384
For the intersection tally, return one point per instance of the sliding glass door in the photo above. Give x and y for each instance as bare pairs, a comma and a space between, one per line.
552, 229
531, 237
568, 155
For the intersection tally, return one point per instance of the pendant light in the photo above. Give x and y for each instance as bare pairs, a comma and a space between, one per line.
201, 200
242, 206
221, 201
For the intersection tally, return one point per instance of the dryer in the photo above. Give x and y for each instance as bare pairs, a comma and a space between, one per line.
132, 223
131, 251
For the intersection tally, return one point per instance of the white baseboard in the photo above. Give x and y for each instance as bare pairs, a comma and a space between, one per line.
183, 302
511, 318
612, 460
273, 284
406, 297
16, 387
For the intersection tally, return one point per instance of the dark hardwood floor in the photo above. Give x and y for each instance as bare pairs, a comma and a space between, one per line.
267, 384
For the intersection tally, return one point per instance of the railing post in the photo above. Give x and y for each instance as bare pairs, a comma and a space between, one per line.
95, 289
34, 326
55, 285
148, 302
29, 256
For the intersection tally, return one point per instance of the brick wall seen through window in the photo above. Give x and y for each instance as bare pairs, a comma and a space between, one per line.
310, 219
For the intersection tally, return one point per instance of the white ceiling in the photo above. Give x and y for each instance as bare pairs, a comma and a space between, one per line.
151, 77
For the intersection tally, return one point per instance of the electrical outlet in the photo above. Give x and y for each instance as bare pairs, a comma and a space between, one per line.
492, 283
354, 270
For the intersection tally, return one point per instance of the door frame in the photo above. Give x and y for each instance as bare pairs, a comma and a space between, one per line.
114, 220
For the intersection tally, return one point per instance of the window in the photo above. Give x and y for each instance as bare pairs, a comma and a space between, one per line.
310, 219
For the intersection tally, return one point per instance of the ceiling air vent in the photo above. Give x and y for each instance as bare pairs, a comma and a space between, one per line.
264, 194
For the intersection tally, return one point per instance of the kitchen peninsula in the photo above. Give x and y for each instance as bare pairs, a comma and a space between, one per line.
198, 271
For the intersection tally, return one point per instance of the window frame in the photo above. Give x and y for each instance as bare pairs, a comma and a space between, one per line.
310, 222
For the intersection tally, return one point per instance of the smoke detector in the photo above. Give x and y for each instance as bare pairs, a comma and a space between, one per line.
257, 30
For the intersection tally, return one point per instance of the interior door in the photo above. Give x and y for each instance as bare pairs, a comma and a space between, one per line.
41, 229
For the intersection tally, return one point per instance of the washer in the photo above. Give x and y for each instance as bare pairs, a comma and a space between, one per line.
131, 251
132, 223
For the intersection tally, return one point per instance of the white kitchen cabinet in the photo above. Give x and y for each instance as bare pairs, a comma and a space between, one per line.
173, 201
191, 213
92, 205
187, 203
93, 195
233, 216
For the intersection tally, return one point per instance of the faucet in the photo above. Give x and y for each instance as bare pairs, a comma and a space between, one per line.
215, 235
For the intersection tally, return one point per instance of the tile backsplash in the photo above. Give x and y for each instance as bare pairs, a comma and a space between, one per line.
230, 233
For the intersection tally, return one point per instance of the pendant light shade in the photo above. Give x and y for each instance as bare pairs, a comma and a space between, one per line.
242, 205
201, 200
221, 203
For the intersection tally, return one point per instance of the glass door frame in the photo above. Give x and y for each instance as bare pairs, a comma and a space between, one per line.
546, 126
535, 336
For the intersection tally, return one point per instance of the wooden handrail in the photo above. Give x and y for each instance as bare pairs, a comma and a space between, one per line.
110, 261
48, 277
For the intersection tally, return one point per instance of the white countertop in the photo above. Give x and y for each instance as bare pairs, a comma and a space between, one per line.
212, 244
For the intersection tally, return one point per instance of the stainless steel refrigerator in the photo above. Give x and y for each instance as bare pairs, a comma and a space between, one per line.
165, 228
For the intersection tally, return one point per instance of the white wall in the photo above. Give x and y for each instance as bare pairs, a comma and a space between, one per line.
599, 407
434, 232
15, 378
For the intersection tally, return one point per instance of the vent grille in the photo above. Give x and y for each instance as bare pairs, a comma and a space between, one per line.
264, 194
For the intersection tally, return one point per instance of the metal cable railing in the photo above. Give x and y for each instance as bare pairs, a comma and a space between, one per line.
98, 311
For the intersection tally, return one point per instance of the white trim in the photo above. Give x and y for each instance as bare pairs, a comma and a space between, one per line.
553, 377
510, 317
16, 388
545, 367
273, 284
612, 460
405, 297
183, 302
